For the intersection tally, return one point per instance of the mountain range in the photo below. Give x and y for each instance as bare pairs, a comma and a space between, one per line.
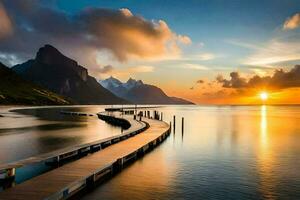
16, 90
53, 78
62, 75
137, 92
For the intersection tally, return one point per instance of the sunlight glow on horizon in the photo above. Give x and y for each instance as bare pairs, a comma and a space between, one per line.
264, 96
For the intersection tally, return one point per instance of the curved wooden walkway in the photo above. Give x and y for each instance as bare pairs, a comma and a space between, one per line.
65, 181
60, 154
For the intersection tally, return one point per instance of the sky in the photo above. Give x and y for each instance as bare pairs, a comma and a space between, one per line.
207, 51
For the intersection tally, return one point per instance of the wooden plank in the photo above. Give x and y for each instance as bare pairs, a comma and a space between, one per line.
56, 181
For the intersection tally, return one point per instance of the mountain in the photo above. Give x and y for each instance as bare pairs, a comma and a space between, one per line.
15, 90
131, 83
118, 88
111, 83
58, 73
137, 92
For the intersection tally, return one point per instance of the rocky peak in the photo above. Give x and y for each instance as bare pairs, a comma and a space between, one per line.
52, 57
131, 83
110, 82
131, 80
139, 82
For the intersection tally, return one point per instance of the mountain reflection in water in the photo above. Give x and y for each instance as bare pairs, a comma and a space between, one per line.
29, 132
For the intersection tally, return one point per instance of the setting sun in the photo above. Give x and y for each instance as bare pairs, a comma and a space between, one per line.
263, 96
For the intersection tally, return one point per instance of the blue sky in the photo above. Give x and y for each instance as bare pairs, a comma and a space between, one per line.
205, 20
217, 24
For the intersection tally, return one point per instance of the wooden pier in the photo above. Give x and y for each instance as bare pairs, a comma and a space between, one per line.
67, 180
8, 170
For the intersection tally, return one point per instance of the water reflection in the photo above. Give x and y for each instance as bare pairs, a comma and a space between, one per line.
263, 126
225, 152
228, 152
144, 184
265, 159
28, 132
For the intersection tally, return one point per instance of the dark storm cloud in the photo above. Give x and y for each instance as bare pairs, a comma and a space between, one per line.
279, 80
119, 31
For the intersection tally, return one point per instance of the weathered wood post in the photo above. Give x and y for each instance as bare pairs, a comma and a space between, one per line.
174, 123
122, 111
182, 125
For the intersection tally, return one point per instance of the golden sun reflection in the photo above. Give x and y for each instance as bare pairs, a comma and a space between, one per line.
263, 125
266, 160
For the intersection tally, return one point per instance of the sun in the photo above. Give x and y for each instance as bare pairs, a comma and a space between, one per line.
263, 96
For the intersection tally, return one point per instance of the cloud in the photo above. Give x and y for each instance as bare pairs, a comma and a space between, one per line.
236, 81
200, 81
206, 56
5, 23
141, 69
122, 73
273, 52
219, 94
292, 22
184, 39
279, 80
126, 12
10, 59
106, 69
195, 66
120, 31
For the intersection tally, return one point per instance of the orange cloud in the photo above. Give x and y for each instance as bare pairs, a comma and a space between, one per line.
121, 32
292, 22
183, 39
124, 73
130, 36
283, 87
5, 23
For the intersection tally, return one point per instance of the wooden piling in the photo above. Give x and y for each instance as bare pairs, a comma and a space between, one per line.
174, 122
182, 125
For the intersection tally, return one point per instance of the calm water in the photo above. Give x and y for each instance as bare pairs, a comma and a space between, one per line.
31, 132
224, 153
227, 152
